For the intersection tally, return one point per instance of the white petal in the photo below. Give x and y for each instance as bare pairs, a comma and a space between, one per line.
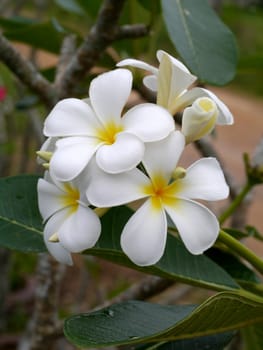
204, 180
186, 99
123, 155
225, 116
71, 157
161, 157
151, 82
56, 249
48, 146
149, 122
71, 117
175, 62
198, 226
173, 79
80, 230
49, 198
109, 92
138, 64
107, 190
143, 238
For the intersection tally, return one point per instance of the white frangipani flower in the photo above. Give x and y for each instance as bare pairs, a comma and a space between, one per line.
169, 190
199, 119
67, 216
96, 126
172, 81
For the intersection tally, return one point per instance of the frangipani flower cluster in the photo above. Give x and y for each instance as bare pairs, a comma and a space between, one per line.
98, 155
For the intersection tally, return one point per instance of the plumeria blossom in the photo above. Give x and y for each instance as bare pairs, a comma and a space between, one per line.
95, 126
167, 191
67, 217
172, 81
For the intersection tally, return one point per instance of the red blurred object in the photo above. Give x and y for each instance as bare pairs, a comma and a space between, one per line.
3, 93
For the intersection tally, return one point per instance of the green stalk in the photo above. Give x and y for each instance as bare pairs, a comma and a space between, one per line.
236, 202
241, 250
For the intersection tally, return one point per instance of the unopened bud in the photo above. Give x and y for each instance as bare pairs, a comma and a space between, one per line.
46, 156
45, 166
54, 238
199, 119
101, 211
178, 173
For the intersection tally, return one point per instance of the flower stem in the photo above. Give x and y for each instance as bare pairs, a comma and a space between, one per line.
236, 202
241, 250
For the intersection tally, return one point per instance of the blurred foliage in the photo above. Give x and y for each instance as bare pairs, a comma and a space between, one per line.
247, 25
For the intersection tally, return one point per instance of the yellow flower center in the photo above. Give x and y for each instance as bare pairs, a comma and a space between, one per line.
108, 132
206, 104
161, 192
70, 198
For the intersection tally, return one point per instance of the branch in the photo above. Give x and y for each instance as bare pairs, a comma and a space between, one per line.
67, 51
26, 72
132, 31
101, 35
44, 322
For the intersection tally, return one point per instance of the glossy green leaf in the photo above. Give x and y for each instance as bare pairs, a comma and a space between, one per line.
47, 36
140, 322
204, 42
20, 222
210, 342
176, 264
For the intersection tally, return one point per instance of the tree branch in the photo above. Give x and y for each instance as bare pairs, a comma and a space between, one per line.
101, 35
132, 31
44, 323
26, 72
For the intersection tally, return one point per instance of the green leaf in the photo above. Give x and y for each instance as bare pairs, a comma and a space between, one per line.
152, 6
140, 322
20, 222
204, 42
71, 6
176, 264
47, 36
233, 266
253, 337
80, 7
15, 23
252, 231
211, 342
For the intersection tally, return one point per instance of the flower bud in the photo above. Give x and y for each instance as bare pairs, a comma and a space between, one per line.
199, 119
178, 173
